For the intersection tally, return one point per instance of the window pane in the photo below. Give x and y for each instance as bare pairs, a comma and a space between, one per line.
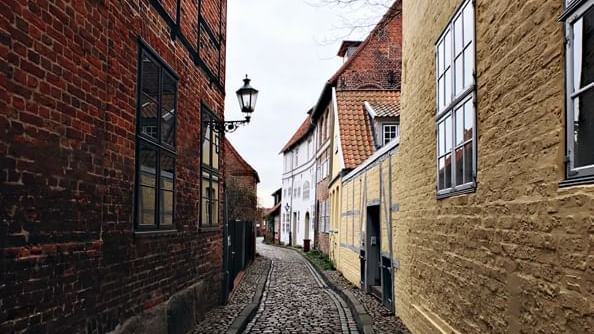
167, 172
215, 151
441, 173
147, 161
468, 163
577, 52
206, 207
458, 35
440, 89
148, 116
206, 146
468, 24
441, 138
215, 203
147, 158
468, 120
584, 129
447, 50
586, 74
468, 66
146, 206
448, 86
459, 166
166, 207
448, 133
459, 74
459, 125
448, 171
150, 78
440, 55
168, 110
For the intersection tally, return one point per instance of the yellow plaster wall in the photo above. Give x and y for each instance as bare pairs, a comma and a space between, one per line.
515, 256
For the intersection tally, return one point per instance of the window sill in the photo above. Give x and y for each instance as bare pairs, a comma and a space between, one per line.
154, 233
210, 229
455, 193
586, 180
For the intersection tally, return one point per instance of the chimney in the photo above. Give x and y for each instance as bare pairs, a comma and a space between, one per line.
347, 48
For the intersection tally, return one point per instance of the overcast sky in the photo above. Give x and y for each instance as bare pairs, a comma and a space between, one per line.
288, 48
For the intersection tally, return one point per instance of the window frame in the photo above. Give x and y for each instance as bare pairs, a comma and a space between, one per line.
208, 173
574, 10
156, 145
396, 126
456, 100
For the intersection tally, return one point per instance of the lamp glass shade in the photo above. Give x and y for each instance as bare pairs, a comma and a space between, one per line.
247, 97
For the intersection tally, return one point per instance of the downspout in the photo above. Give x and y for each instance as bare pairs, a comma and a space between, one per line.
390, 228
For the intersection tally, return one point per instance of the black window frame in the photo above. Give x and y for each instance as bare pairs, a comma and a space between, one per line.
208, 173
161, 149
573, 11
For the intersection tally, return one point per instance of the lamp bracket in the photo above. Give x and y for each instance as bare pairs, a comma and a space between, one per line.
225, 126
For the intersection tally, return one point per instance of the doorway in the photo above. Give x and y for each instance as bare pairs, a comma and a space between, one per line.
373, 251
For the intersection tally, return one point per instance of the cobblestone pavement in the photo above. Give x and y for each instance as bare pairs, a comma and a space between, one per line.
383, 319
296, 300
219, 319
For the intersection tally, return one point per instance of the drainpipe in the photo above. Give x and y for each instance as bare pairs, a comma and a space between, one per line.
390, 228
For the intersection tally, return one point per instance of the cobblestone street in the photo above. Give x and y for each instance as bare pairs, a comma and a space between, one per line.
296, 300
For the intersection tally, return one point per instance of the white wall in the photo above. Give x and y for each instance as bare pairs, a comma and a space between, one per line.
294, 178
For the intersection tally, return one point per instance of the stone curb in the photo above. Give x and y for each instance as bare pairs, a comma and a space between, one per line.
248, 313
362, 318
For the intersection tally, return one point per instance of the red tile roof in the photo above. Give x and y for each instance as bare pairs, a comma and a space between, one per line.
301, 132
356, 136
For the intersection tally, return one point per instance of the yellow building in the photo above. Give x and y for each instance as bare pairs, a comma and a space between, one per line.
365, 238
495, 182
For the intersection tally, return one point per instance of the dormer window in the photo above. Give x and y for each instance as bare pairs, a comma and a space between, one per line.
389, 132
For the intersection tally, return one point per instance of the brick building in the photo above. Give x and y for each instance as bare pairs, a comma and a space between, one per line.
494, 228
103, 221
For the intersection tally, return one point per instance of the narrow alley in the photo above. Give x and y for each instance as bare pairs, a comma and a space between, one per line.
296, 299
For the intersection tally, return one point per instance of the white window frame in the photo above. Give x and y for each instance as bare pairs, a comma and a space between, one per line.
446, 105
387, 126
578, 9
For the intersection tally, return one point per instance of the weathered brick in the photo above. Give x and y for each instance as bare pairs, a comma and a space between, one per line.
67, 176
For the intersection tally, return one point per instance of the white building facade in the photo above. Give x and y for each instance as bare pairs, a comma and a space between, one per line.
298, 187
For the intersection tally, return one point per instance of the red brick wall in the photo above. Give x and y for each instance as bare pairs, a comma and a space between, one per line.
240, 177
377, 64
70, 259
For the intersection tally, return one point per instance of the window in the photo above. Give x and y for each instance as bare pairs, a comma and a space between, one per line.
324, 222
155, 133
455, 89
390, 131
580, 89
336, 143
210, 169
306, 190
296, 157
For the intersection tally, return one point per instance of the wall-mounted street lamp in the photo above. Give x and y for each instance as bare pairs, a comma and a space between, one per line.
247, 97
287, 207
